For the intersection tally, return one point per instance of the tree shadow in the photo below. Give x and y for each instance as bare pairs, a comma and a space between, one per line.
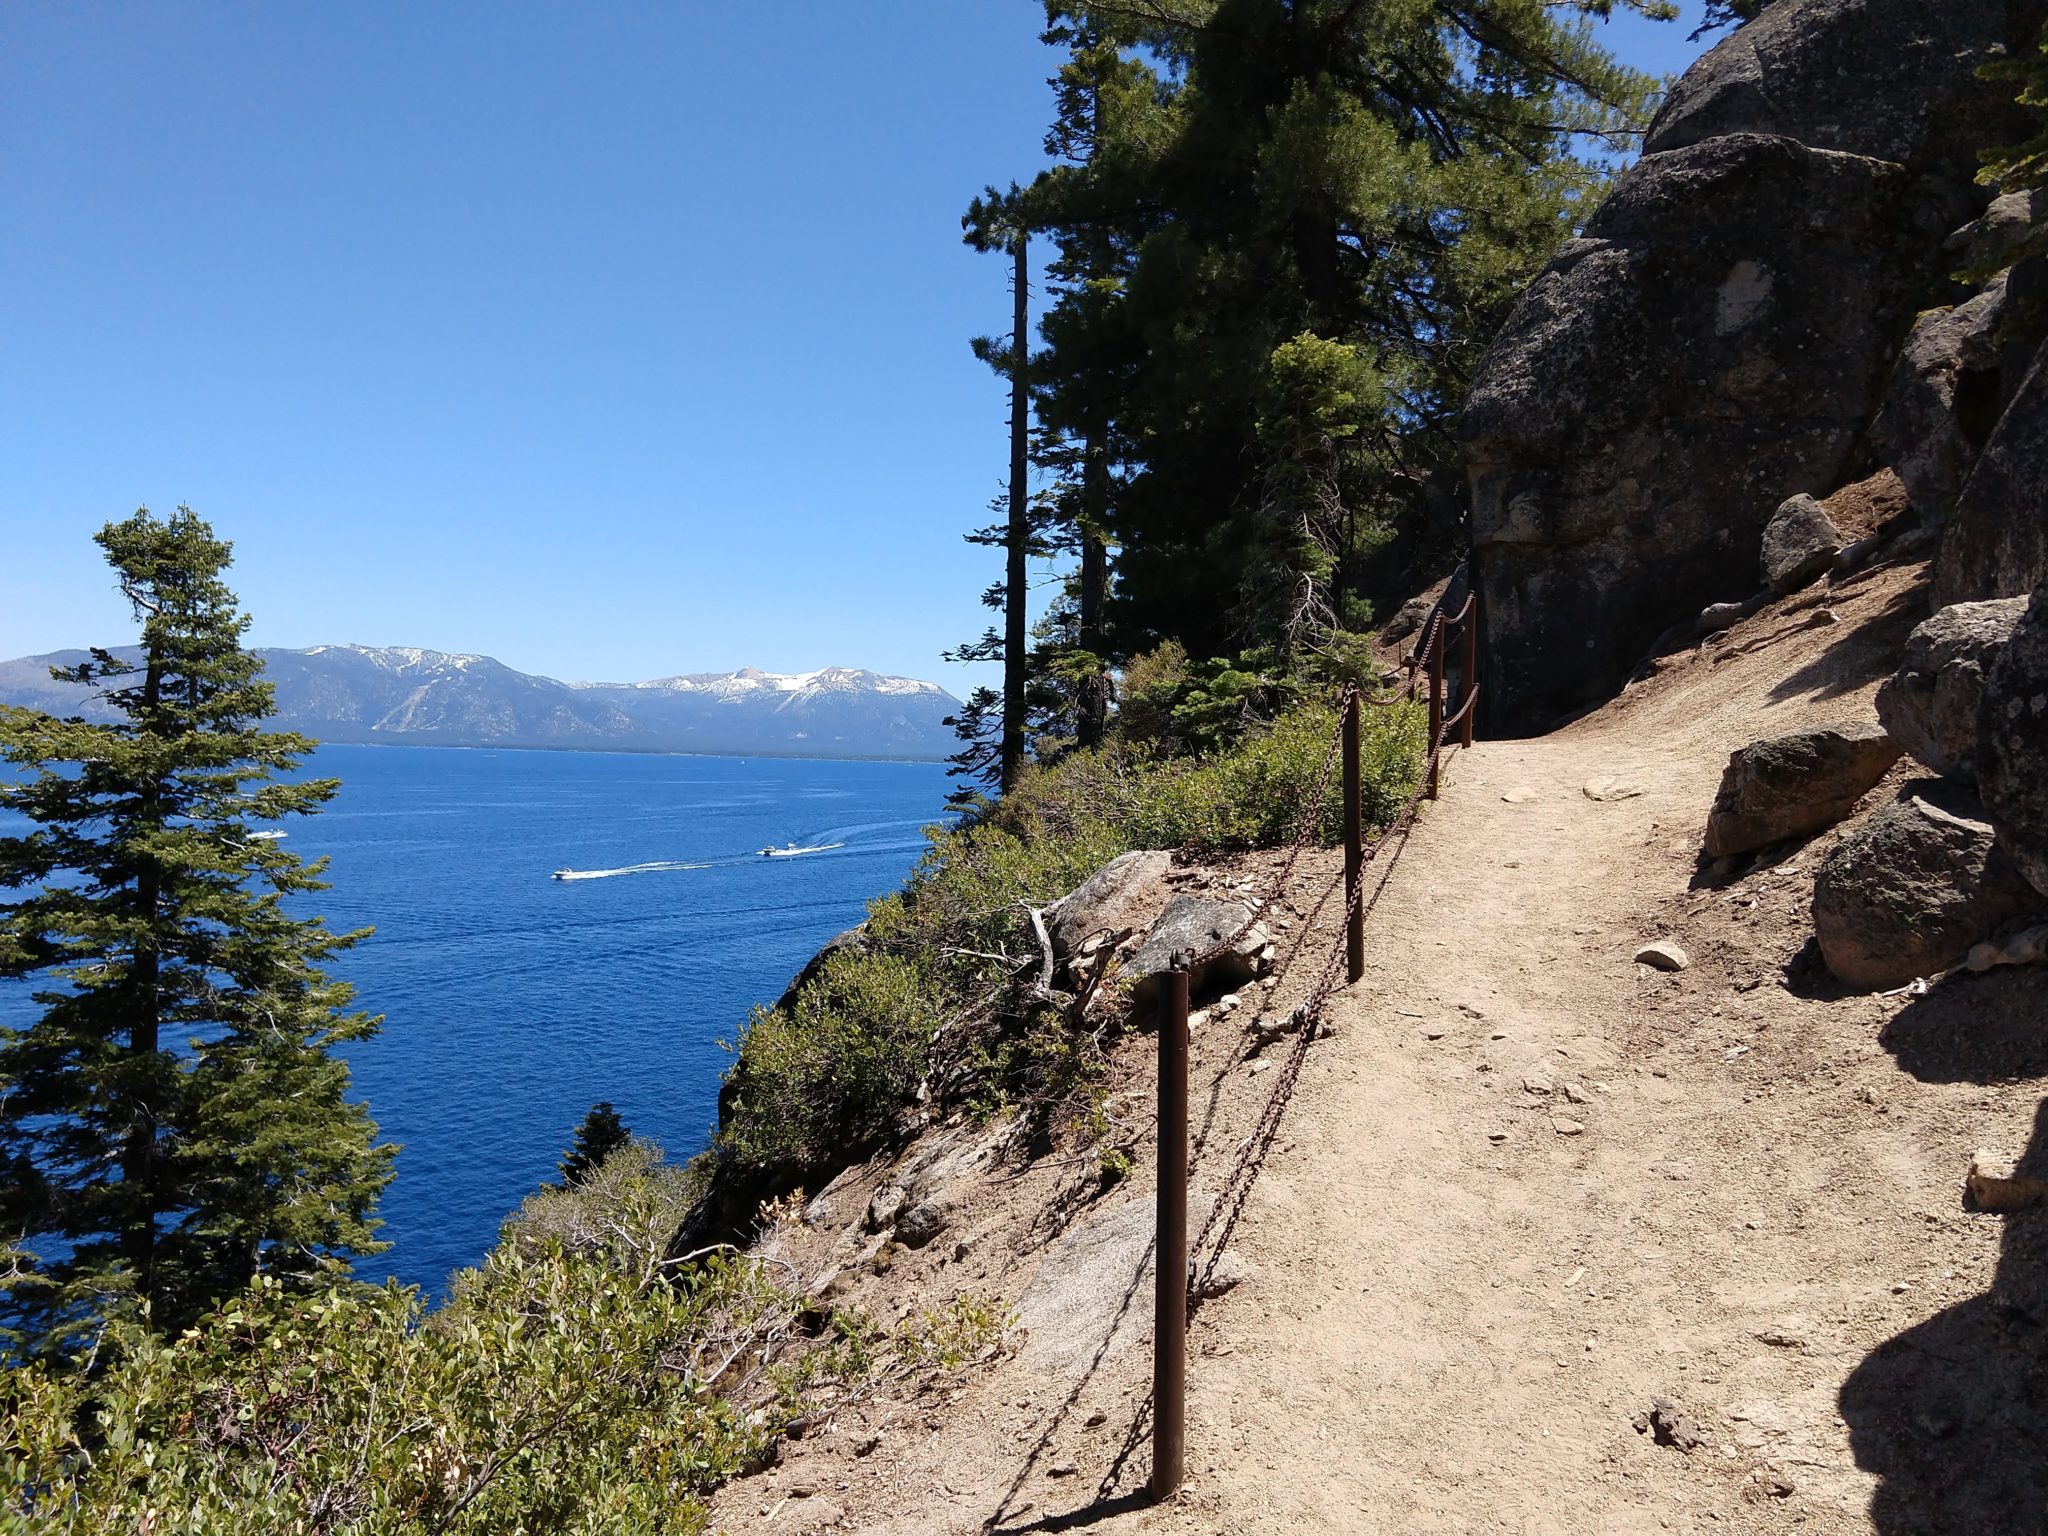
1866, 652
1952, 1414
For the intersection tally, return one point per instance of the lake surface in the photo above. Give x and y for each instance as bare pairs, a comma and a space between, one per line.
513, 1001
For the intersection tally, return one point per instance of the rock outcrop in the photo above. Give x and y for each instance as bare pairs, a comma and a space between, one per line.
1124, 893
2013, 760
1197, 924
1997, 542
1800, 543
1908, 892
1943, 400
1789, 786
1930, 705
1721, 337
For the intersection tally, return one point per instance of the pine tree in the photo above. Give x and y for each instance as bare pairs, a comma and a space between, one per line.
600, 1135
174, 1122
1302, 221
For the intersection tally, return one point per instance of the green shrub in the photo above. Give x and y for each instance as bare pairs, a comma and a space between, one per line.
577, 1381
551, 1395
923, 1011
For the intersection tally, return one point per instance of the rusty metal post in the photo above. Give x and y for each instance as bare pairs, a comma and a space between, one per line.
1469, 665
1436, 704
1170, 1281
1354, 844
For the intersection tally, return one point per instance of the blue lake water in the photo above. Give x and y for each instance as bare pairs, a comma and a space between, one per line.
513, 1001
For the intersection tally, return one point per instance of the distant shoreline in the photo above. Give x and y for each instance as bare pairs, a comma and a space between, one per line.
507, 746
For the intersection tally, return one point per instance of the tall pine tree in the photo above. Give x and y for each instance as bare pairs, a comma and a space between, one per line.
174, 1121
1303, 221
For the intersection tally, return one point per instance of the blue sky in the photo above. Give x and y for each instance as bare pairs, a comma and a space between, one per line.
611, 340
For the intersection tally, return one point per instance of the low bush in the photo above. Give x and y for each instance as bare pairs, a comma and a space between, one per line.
926, 1008
576, 1381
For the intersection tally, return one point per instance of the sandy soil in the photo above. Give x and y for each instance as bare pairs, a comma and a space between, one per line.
1527, 1188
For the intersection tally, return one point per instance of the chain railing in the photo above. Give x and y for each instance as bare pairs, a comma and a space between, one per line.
1184, 1266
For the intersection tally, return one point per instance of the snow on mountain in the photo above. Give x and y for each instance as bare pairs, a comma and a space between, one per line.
750, 681
364, 693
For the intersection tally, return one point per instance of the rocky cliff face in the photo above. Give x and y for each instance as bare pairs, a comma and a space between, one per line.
1725, 334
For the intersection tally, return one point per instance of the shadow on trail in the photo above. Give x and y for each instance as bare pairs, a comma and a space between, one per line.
1952, 1414
1104, 1504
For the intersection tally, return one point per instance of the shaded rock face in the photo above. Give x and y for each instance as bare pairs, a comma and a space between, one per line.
1909, 891
1943, 400
1720, 338
1930, 705
1867, 77
1997, 541
2013, 761
1789, 786
1800, 543
855, 937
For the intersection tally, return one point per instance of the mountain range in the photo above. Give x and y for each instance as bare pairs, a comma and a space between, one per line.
401, 694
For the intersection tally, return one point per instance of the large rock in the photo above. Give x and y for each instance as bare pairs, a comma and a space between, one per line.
1789, 786
1930, 705
1800, 544
1124, 893
2013, 763
1198, 923
1718, 340
1890, 79
1997, 543
1910, 890
1943, 400
1993, 238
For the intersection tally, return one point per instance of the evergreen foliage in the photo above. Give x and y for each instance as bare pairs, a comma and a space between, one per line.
1284, 231
600, 1135
2023, 166
174, 1123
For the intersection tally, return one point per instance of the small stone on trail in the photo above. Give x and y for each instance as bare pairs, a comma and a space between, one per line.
1519, 796
1575, 1093
1565, 1127
1995, 1184
1668, 1424
1496, 1135
1227, 1273
1610, 788
1664, 955
1259, 1066
1061, 1469
865, 1446
1095, 1420
1541, 1086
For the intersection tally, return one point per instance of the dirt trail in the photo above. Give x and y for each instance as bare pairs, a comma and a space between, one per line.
1530, 1185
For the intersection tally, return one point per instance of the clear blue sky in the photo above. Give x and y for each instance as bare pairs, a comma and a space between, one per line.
611, 340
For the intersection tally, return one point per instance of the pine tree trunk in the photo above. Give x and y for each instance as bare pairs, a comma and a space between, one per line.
1015, 636
138, 1154
1092, 713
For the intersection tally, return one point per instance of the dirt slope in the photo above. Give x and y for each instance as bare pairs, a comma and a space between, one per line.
1531, 1186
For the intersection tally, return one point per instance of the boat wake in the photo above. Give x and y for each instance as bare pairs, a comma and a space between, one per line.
792, 851
655, 867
